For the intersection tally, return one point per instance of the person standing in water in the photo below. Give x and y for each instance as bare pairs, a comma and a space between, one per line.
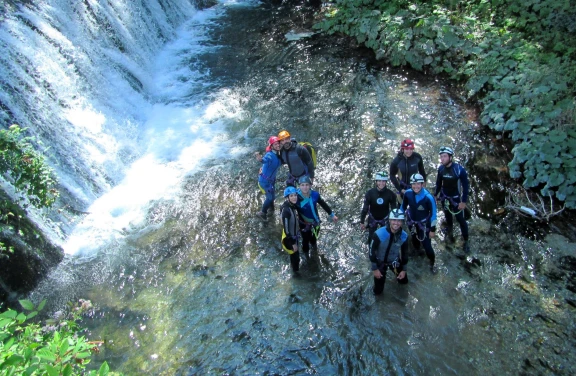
297, 157
452, 189
406, 164
420, 208
291, 227
389, 250
378, 202
267, 177
308, 200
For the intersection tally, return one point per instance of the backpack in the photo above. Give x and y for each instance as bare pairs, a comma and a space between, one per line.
311, 151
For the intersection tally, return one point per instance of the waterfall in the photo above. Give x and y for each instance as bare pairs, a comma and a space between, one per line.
109, 86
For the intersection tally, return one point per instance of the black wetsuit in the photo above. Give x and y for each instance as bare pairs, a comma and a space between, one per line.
452, 182
406, 167
377, 205
291, 232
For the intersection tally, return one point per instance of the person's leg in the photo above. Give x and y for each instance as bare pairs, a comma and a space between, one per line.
463, 224
379, 283
427, 243
288, 244
295, 261
449, 226
415, 235
404, 280
269, 200
306, 236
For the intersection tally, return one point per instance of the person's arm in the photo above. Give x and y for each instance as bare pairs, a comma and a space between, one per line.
393, 173
392, 200
306, 159
465, 184
421, 169
432, 215
404, 205
404, 254
438, 182
286, 216
327, 209
364, 211
373, 254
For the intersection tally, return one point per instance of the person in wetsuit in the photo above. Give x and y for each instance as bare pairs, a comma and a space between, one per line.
308, 200
297, 157
267, 177
420, 208
378, 202
452, 190
406, 164
291, 227
389, 250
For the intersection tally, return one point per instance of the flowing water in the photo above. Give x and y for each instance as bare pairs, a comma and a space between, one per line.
185, 280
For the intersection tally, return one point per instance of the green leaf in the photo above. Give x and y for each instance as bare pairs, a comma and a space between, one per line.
41, 305
10, 314
46, 355
67, 371
26, 304
104, 369
83, 355
52, 371
13, 360
31, 315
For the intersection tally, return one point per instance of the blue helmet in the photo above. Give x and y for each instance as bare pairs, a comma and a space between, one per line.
305, 179
289, 190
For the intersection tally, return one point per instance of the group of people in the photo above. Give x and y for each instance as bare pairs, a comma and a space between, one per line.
383, 213
299, 212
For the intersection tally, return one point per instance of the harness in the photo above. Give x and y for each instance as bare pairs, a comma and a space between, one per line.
420, 224
376, 223
272, 182
448, 202
310, 226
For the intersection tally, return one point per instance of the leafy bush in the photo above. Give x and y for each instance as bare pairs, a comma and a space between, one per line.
516, 57
55, 349
26, 168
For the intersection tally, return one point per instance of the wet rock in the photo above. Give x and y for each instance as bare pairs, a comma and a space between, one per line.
240, 336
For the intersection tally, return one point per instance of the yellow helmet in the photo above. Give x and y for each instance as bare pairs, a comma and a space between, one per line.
283, 135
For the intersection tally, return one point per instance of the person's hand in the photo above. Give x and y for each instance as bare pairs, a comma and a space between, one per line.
377, 274
462, 206
295, 247
334, 219
401, 275
431, 234
258, 156
363, 226
403, 191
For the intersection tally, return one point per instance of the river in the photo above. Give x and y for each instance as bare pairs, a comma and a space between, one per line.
199, 285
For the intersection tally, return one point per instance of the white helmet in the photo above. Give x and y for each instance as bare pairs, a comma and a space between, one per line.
381, 175
416, 178
447, 150
396, 214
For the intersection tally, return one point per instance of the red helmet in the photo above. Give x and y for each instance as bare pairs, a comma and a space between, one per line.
407, 144
273, 140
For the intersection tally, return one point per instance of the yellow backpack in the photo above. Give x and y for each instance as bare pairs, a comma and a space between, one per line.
311, 150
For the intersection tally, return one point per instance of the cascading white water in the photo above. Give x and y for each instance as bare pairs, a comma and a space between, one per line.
103, 85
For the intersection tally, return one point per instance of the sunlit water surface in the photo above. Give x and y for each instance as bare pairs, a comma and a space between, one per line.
200, 286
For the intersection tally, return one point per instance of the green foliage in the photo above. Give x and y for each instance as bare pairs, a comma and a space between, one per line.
28, 172
516, 57
26, 168
55, 349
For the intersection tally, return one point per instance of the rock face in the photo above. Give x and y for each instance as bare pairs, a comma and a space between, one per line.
29, 261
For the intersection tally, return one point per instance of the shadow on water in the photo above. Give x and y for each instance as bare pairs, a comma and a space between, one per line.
204, 287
